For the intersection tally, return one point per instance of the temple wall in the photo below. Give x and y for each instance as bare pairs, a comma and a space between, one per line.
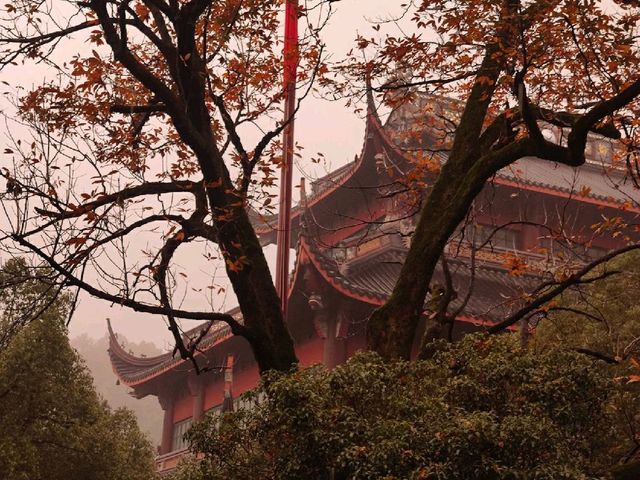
214, 392
311, 352
355, 344
182, 408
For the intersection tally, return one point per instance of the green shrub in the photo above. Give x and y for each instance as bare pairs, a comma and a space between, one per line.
480, 409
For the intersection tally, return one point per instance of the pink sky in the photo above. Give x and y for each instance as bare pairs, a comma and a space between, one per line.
321, 126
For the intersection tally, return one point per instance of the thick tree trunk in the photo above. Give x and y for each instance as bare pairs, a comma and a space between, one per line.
392, 327
259, 302
186, 101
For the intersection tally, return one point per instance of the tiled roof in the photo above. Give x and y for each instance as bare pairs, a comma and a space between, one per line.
324, 186
592, 180
495, 293
133, 370
603, 183
373, 282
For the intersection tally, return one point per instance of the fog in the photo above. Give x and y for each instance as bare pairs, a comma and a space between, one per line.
321, 126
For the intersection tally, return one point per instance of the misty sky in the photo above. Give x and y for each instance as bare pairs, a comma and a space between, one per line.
321, 126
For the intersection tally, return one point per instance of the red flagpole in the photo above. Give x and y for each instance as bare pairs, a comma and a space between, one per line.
286, 168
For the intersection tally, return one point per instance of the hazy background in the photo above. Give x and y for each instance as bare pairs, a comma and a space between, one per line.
321, 126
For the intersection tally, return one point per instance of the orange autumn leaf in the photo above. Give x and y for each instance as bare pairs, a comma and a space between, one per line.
515, 265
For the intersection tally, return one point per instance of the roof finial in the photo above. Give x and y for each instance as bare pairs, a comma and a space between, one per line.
371, 104
303, 193
113, 337
372, 111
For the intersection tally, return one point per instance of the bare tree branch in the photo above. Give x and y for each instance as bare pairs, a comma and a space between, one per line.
559, 287
70, 279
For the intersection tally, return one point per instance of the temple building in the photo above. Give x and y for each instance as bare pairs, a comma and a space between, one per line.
353, 228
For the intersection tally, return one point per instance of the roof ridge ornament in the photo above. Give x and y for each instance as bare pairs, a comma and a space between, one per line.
372, 110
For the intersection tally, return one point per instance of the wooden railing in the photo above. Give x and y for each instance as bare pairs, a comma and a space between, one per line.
169, 461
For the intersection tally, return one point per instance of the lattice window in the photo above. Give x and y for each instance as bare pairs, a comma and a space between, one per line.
179, 430
487, 235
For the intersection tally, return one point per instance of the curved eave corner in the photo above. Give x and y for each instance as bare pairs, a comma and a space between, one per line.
134, 371
127, 366
266, 225
375, 125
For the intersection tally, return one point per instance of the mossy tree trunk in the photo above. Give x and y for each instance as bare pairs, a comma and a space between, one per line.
187, 106
481, 147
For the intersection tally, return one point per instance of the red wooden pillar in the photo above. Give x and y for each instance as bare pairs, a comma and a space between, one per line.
227, 403
335, 351
196, 390
329, 353
167, 404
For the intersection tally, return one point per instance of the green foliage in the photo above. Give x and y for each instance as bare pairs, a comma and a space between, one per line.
612, 319
94, 353
53, 425
27, 293
609, 326
480, 409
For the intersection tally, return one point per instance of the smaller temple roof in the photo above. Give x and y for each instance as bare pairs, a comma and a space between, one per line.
374, 138
495, 292
132, 370
319, 189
